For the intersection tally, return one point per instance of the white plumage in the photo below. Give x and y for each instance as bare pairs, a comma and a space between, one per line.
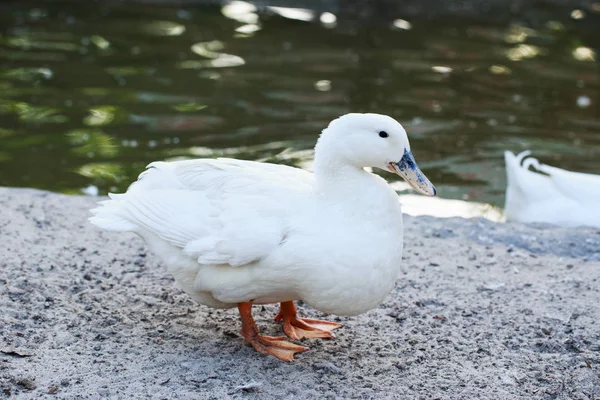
550, 194
234, 231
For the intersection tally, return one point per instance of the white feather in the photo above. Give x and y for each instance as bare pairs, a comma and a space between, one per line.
549, 194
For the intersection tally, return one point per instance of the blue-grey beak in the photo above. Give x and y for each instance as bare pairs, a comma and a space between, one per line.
408, 169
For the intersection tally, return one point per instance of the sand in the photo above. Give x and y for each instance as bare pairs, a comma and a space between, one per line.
482, 311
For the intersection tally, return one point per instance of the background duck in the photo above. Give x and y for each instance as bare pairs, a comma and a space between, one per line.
549, 194
237, 233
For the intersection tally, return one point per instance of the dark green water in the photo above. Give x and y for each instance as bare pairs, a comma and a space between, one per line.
90, 94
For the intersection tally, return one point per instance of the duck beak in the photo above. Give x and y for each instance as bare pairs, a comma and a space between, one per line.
408, 169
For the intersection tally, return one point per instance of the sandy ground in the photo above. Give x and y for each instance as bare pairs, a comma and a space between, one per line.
482, 311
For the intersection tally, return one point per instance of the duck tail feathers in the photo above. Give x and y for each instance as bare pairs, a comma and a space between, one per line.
110, 215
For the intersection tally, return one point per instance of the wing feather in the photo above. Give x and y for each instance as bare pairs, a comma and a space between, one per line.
220, 211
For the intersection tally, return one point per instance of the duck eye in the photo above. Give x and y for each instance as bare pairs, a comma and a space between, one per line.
383, 134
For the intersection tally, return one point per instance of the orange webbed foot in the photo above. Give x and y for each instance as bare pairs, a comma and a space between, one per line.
276, 346
297, 328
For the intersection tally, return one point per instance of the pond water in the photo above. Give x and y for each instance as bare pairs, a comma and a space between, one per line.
89, 95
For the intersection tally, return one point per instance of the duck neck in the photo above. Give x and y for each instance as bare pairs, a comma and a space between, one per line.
336, 176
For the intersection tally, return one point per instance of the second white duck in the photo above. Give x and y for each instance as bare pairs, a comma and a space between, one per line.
549, 194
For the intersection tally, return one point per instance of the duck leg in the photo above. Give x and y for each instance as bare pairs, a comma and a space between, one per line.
274, 345
297, 328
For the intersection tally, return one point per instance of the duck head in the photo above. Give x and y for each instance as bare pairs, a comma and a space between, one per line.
375, 140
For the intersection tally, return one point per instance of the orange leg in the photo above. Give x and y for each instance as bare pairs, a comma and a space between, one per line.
297, 328
274, 345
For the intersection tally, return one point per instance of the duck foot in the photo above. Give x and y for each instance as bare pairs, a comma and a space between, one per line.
276, 346
297, 328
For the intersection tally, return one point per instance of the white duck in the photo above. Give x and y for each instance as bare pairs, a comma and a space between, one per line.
551, 195
237, 233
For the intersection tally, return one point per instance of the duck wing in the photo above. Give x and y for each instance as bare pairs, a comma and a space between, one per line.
218, 211
584, 188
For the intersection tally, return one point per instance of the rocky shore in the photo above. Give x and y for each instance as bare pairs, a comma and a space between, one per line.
482, 311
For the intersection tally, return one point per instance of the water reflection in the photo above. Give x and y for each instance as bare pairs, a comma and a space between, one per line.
35, 114
523, 51
26, 74
240, 11
164, 28
90, 95
210, 50
92, 144
102, 171
413, 204
402, 24
31, 43
584, 54
102, 115
100, 42
300, 14
328, 20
